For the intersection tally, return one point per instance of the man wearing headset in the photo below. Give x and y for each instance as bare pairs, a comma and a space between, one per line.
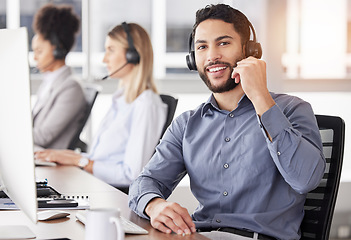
251, 155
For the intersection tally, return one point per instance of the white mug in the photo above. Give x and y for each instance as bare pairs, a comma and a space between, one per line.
103, 224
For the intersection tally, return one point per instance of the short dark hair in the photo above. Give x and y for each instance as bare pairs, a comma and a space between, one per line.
227, 14
57, 24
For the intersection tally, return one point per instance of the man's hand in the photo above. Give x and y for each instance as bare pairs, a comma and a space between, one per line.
252, 74
169, 216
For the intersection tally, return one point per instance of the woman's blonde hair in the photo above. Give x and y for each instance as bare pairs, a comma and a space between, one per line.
142, 77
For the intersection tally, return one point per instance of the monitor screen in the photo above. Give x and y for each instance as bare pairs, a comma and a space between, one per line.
17, 172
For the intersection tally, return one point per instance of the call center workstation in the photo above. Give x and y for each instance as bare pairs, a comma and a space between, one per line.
20, 179
54, 201
56, 196
75, 190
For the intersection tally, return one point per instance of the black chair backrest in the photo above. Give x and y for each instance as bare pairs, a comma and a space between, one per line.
91, 91
320, 202
172, 105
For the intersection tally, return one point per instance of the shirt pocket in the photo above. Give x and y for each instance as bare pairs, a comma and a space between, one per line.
255, 157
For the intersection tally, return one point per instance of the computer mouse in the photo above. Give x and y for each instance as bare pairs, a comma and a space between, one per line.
51, 214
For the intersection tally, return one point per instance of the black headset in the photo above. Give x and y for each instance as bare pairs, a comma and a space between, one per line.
59, 52
252, 48
132, 54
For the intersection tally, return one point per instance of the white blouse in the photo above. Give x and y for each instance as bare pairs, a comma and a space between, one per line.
127, 137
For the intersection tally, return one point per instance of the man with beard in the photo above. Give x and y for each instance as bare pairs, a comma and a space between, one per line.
251, 155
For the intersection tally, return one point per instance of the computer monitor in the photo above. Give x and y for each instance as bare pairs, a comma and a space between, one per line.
17, 172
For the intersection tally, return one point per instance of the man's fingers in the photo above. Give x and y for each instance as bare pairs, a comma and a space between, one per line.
183, 220
190, 224
174, 224
165, 224
161, 227
167, 216
173, 219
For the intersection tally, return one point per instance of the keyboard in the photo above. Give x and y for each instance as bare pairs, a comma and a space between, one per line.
44, 163
128, 226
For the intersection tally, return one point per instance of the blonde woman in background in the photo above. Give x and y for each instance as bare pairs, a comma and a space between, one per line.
132, 127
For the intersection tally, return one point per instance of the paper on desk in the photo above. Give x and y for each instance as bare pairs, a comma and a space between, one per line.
8, 204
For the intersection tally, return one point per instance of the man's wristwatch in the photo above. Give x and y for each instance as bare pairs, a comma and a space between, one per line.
83, 162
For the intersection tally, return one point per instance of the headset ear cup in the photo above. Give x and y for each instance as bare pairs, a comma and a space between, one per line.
132, 56
253, 49
59, 53
190, 61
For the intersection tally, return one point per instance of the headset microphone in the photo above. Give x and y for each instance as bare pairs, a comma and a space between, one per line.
107, 76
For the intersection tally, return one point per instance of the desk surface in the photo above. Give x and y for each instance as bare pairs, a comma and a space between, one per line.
72, 181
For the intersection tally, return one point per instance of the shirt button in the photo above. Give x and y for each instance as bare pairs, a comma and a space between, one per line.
278, 153
231, 115
225, 193
218, 221
261, 126
227, 139
226, 165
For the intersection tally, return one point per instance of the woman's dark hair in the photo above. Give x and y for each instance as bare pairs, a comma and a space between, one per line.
227, 14
57, 24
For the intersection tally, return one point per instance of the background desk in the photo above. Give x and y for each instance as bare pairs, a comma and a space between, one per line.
71, 181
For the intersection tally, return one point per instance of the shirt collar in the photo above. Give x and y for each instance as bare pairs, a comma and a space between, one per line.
51, 76
118, 98
118, 93
211, 104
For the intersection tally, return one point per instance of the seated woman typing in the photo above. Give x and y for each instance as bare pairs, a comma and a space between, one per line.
132, 127
60, 99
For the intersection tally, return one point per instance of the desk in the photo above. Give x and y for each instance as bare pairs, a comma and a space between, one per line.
72, 181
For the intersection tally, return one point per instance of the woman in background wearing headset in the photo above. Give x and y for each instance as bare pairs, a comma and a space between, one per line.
132, 127
61, 102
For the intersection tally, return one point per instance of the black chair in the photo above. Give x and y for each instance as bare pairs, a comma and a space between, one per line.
172, 106
91, 91
320, 202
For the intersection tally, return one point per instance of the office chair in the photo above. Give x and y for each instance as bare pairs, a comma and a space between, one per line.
91, 91
320, 202
172, 106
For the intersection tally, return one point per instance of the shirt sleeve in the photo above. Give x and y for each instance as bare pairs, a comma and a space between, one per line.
296, 146
147, 123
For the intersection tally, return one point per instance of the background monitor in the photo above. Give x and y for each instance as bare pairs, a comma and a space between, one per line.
17, 172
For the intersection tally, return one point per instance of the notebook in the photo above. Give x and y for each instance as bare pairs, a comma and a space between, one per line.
48, 198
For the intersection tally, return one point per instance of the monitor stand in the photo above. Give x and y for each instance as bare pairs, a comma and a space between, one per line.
16, 232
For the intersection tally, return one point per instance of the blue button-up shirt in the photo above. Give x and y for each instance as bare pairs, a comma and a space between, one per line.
240, 178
